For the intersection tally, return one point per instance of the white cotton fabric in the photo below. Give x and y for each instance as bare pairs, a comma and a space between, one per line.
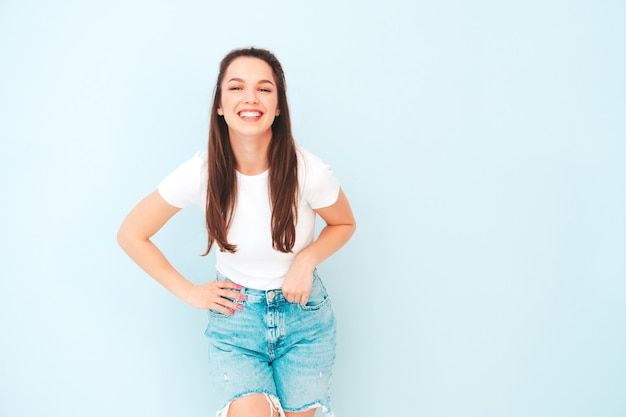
256, 264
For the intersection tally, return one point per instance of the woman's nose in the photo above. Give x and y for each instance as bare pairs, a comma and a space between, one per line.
250, 97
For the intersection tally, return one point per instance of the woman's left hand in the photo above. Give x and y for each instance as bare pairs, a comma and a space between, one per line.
298, 282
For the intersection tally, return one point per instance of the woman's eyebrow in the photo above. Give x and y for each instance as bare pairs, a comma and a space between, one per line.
240, 80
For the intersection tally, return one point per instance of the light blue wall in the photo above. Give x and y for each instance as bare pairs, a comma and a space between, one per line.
482, 145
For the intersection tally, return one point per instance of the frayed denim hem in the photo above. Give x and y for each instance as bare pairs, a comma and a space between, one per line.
327, 412
275, 405
271, 400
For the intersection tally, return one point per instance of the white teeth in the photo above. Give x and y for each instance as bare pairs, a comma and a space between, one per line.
250, 114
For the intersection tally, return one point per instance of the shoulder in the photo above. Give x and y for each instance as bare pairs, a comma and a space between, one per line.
200, 158
196, 165
317, 183
194, 168
308, 161
186, 185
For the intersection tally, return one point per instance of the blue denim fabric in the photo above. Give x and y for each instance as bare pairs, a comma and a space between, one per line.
274, 347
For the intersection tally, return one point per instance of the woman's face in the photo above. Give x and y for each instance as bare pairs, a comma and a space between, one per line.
249, 101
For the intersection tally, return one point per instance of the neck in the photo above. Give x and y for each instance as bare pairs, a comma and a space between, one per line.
251, 153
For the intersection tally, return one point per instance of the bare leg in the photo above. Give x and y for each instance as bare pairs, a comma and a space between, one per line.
252, 405
259, 405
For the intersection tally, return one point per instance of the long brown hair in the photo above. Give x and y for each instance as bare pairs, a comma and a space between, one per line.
283, 171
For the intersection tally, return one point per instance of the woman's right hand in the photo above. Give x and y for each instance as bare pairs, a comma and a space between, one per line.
143, 221
215, 295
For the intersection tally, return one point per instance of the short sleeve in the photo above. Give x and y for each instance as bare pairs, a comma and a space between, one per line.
186, 185
319, 186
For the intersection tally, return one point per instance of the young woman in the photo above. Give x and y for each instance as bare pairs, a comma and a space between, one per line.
271, 328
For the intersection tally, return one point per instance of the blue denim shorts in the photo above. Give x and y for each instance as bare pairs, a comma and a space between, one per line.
283, 350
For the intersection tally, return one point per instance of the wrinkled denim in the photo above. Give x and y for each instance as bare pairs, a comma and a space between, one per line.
273, 347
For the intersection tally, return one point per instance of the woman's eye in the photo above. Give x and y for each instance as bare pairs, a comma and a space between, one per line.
265, 90
235, 88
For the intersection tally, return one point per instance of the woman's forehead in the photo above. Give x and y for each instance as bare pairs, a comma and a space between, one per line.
249, 69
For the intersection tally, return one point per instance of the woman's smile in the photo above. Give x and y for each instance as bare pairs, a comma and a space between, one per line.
250, 115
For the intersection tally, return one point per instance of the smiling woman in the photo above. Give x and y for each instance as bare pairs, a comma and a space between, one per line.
271, 328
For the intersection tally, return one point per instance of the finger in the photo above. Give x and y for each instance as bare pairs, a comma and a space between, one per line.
231, 300
233, 295
228, 284
227, 307
220, 306
294, 298
234, 306
229, 289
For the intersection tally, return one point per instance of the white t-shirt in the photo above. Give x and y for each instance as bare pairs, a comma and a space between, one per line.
256, 264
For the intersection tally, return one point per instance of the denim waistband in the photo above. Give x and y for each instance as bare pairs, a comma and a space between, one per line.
261, 296
257, 296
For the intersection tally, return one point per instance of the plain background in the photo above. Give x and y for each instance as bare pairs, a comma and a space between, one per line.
482, 146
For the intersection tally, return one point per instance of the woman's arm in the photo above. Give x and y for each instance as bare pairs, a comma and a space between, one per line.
340, 226
134, 234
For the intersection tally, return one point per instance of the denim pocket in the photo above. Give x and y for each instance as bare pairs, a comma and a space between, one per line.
318, 298
219, 314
